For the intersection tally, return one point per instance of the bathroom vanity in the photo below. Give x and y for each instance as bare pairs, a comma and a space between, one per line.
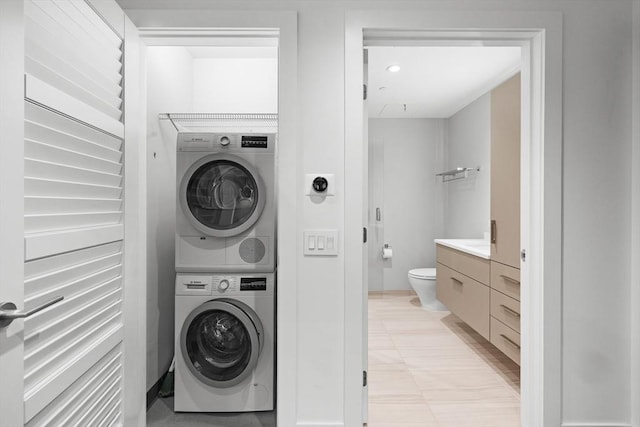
483, 293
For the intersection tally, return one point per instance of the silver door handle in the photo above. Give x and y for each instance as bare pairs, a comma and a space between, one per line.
8, 312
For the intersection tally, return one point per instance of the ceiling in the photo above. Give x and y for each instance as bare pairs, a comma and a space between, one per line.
434, 82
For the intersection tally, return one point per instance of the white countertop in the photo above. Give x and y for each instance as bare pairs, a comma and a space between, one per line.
478, 247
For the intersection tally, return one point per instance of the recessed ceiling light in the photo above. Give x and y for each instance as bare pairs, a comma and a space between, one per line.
393, 68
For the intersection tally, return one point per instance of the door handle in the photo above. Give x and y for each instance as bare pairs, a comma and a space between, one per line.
494, 231
8, 312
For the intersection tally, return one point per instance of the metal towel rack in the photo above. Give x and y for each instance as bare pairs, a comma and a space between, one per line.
457, 173
203, 122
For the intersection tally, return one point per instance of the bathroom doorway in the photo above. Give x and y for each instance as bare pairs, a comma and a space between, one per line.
540, 309
430, 113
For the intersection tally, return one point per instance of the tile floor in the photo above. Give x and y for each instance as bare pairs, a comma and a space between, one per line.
426, 369
431, 369
161, 414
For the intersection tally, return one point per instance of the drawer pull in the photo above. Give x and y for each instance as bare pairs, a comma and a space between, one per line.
507, 339
510, 279
459, 282
510, 310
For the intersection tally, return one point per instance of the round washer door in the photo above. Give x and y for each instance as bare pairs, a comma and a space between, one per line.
221, 341
222, 195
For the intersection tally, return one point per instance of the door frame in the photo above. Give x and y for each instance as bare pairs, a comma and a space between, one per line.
203, 23
540, 35
12, 208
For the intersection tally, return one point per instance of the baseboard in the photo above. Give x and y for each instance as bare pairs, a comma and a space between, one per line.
316, 424
596, 425
152, 393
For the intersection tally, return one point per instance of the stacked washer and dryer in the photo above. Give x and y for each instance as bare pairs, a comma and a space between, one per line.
225, 268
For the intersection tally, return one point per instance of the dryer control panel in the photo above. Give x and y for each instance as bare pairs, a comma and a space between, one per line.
229, 142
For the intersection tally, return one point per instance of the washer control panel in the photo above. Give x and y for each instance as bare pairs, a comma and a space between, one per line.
220, 285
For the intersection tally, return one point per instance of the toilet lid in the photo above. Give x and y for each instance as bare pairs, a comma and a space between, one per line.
423, 273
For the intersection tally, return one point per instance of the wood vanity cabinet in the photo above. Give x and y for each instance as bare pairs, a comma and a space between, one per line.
505, 172
462, 284
505, 218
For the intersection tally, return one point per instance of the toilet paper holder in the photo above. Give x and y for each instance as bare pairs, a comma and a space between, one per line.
387, 252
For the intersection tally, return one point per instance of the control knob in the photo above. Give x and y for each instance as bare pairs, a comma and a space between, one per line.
224, 141
223, 285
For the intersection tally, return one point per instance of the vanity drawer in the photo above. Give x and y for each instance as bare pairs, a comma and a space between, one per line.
505, 309
475, 267
505, 279
505, 339
466, 298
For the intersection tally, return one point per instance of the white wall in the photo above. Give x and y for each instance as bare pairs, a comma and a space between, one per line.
412, 153
169, 90
596, 214
235, 85
468, 144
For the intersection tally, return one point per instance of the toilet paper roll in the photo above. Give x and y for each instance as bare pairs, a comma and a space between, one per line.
387, 253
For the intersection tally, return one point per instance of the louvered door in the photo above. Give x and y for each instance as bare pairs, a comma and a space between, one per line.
73, 215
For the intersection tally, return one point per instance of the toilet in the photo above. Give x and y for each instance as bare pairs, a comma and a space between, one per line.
423, 281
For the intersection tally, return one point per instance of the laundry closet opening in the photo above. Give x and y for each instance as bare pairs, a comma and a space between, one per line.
443, 130
212, 125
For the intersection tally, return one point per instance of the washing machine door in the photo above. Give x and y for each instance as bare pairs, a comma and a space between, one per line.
221, 341
222, 195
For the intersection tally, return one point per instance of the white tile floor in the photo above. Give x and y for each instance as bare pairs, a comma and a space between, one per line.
161, 414
431, 369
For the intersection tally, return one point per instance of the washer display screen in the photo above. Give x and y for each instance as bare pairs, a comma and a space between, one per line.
222, 194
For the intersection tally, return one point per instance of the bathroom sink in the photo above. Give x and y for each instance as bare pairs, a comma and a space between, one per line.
477, 247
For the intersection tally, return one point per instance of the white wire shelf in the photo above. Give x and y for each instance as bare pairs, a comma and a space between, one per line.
457, 173
208, 122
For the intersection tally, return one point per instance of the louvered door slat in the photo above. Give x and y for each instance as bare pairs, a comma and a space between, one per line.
69, 288
57, 172
97, 31
69, 336
107, 105
40, 133
33, 205
74, 129
51, 153
69, 37
89, 398
45, 93
109, 400
74, 210
69, 403
38, 187
35, 270
46, 394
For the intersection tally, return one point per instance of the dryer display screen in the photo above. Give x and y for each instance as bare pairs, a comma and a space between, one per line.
253, 284
254, 141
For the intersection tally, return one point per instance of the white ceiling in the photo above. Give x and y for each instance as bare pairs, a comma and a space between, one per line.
434, 82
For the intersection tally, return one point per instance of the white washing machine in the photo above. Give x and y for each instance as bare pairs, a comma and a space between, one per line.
224, 343
226, 213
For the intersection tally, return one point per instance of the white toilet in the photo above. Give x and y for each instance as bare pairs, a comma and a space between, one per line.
423, 281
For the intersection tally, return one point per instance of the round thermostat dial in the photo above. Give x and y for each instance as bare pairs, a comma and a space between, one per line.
320, 184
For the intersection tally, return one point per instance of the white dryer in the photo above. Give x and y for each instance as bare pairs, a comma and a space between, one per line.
224, 343
226, 213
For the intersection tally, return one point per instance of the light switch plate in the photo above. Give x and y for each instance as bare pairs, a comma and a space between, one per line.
308, 184
320, 242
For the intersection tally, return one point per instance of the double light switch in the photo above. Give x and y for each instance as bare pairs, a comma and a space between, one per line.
321, 242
